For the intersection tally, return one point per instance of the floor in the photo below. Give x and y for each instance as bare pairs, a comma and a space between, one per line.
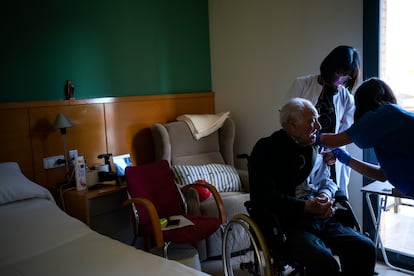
397, 226
397, 233
214, 267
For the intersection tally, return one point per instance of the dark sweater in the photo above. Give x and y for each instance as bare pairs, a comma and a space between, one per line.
277, 165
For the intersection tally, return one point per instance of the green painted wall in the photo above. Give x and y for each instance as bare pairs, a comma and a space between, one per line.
107, 48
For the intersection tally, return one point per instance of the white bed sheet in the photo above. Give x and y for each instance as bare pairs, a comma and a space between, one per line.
37, 238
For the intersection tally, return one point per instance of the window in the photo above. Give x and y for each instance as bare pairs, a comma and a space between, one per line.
396, 49
396, 67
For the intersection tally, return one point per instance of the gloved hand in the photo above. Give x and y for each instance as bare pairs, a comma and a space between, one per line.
342, 155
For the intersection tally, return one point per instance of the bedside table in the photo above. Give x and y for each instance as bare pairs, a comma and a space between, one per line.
101, 209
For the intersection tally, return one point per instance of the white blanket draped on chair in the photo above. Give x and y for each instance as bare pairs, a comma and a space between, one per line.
204, 124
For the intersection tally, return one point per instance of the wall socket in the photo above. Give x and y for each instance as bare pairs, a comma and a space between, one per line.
53, 162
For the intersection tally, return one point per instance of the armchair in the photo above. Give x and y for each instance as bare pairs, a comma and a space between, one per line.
210, 157
154, 195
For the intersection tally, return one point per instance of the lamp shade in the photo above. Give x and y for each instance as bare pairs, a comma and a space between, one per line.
62, 122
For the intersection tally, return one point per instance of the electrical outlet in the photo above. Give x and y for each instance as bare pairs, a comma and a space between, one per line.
72, 155
53, 162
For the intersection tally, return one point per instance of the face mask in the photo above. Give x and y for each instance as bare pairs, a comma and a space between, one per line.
341, 80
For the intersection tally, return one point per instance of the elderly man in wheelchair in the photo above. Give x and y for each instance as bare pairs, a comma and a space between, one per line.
293, 204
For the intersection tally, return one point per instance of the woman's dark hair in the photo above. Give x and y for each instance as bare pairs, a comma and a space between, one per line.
342, 60
372, 94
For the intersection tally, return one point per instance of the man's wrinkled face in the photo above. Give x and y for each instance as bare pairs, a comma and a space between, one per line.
304, 131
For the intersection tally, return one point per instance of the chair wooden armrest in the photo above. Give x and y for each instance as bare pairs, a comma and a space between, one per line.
216, 195
155, 220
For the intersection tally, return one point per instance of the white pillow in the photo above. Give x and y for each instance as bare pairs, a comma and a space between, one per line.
224, 177
15, 186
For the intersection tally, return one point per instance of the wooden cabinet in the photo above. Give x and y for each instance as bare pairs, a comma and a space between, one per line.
101, 209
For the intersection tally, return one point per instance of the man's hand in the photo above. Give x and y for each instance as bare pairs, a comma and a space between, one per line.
328, 157
320, 206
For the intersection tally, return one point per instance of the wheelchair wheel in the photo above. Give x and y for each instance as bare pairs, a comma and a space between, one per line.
255, 259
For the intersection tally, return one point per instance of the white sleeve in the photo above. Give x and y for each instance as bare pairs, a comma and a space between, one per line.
295, 90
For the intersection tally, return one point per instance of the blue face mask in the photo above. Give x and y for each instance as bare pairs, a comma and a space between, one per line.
340, 80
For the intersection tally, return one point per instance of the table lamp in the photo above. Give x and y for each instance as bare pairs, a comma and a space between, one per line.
62, 123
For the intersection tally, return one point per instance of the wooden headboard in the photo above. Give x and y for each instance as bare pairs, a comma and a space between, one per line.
102, 125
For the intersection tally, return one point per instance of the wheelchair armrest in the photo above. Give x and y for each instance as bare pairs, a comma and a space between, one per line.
340, 196
345, 211
244, 174
244, 178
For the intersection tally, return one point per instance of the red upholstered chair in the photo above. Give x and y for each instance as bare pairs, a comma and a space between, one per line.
155, 195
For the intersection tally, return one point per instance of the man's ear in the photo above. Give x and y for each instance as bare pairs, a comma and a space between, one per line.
290, 127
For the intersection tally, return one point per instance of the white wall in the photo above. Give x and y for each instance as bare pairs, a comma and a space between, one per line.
259, 46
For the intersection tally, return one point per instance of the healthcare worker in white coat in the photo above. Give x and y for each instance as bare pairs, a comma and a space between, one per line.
330, 92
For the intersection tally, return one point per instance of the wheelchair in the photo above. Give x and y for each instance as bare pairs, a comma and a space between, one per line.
262, 230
